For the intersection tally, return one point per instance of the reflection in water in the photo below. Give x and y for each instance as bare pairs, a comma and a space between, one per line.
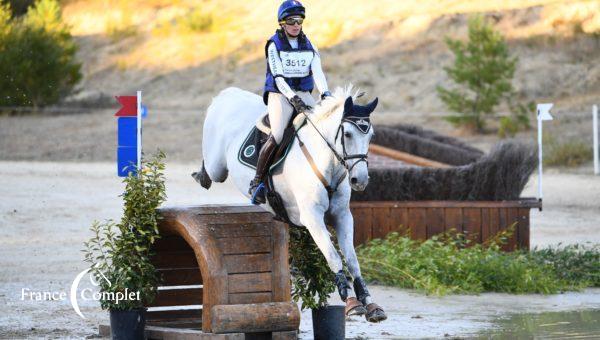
550, 325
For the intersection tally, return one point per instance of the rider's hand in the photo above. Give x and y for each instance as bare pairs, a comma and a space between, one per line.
298, 104
325, 95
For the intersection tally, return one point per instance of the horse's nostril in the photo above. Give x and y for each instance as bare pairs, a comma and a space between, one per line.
354, 180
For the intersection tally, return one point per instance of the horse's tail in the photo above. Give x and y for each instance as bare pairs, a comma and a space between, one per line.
202, 177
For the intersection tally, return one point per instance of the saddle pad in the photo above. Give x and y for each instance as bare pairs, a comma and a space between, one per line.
248, 153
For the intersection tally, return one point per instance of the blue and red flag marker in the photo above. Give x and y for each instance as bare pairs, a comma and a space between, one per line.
129, 147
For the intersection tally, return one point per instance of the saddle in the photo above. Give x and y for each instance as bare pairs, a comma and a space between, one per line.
248, 155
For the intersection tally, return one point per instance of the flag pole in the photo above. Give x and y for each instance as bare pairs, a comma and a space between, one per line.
139, 130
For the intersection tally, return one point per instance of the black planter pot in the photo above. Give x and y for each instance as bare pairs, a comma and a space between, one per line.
329, 323
128, 324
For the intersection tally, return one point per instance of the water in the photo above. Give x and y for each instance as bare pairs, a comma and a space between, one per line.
583, 324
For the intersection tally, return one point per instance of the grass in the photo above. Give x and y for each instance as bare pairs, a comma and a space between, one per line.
449, 264
569, 153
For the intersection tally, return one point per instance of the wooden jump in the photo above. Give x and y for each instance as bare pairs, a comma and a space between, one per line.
225, 275
479, 219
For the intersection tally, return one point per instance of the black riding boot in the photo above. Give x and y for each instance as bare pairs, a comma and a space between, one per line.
264, 161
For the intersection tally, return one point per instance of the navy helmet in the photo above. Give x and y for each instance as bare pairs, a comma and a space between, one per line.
289, 8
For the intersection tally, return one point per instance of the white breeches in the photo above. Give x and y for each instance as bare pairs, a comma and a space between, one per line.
280, 111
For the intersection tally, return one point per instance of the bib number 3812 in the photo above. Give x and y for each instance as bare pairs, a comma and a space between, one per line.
296, 64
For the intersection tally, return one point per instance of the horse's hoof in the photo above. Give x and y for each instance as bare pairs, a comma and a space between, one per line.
354, 307
375, 313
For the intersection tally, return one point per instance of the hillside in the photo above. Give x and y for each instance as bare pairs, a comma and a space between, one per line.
182, 53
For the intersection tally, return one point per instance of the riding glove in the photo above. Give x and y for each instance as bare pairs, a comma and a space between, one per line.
298, 104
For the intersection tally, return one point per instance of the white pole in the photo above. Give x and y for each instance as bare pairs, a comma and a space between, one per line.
539, 121
139, 130
596, 151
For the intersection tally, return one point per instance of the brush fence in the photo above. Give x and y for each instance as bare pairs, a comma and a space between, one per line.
421, 220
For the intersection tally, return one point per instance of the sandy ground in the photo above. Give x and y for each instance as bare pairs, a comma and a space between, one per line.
47, 207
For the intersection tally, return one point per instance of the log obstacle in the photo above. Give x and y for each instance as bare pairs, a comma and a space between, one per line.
480, 220
225, 275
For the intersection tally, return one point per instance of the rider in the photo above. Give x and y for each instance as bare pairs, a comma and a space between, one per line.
293, 68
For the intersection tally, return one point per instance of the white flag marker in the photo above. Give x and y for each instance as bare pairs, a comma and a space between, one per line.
543, 113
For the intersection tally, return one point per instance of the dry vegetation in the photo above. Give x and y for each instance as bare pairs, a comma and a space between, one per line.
183, 52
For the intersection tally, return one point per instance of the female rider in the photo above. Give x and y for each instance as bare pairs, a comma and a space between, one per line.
293, 69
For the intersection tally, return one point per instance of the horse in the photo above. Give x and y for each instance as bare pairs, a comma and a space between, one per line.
328, 159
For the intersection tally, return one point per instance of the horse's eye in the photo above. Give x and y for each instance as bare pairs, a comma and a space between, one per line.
347, 134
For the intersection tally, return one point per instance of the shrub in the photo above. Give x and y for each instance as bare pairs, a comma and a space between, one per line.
197, 21
444, 264
569, 153
312, 280
37, 57
123, 258
483, 70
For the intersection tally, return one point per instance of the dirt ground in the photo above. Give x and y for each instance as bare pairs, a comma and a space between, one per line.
47, 208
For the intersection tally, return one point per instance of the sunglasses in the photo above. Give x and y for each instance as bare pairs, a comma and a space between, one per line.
293, 21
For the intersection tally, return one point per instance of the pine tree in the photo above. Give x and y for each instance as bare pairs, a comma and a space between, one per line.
482, 70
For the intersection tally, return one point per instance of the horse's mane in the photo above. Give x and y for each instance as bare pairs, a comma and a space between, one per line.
330, 105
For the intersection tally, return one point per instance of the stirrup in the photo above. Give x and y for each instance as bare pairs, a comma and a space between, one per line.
258, 196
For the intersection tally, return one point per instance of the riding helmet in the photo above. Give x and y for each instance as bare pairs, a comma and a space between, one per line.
288, 8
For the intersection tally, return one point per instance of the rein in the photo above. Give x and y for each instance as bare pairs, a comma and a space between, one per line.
342, 159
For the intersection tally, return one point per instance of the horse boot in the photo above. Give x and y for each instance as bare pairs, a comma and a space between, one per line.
374, 312
265, 156
342, 284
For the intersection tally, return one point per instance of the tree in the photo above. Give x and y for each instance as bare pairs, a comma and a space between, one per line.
37, 56
483, 72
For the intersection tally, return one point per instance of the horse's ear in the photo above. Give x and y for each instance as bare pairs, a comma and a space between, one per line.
348, 106
372, 105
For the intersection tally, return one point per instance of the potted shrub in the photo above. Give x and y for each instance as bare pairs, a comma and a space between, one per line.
313, 283
119, 253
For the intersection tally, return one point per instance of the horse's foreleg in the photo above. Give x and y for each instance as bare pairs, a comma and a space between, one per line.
344, 226
313, 219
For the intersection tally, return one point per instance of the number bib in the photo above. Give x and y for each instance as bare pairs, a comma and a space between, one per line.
296, 64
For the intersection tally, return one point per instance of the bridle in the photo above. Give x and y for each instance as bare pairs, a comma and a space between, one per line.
342, 159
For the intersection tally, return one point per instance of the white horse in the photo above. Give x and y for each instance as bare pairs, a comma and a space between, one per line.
337, 138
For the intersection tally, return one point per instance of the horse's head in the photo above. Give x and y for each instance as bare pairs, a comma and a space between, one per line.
357, 132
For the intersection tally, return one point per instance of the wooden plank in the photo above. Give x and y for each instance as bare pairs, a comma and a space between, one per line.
281, 280
235, 230
250, 283
381, 220
245, 245
485, 224
472, 224
405, 157
453, 219
399, 220
177, 297
175, 259
362, 225
513, 218
503, 217
417, 223
524, 228
434, 220
248, 263
243, 298
494, 226
259, 317
263, 217
180, 276
521, 203
173, 314
192, 323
